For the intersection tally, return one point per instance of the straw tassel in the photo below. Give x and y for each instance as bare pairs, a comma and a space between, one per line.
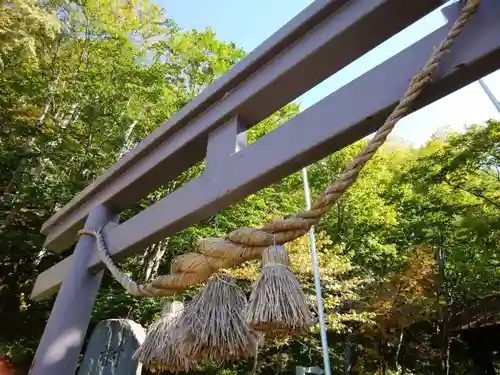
213, 327
277, 304
159, 350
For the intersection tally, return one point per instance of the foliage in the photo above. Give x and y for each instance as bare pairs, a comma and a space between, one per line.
84, 82
25, 26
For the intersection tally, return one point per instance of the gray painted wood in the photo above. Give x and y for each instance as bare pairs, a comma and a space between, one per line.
343, 117
62, 339
111, 347
323, 39
222, 143
289, 33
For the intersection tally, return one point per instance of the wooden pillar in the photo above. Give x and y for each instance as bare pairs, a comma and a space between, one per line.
62, 339
222, 143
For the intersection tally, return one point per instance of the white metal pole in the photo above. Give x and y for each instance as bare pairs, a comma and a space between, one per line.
490, 94
317, 282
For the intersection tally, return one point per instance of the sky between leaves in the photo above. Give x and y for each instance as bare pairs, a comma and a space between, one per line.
249, 23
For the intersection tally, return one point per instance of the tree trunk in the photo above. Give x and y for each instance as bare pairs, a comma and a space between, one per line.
45, 110
398, 349
71, 115
347, 354
128, 133
38, 258
445, 342
48, 102
350, 356
383, 355
10, 216
126, 139
15, 180
152, 259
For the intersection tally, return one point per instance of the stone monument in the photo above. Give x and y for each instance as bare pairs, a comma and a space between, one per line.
111, 347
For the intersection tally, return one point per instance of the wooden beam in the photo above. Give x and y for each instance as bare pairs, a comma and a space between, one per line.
343, 117
317, 43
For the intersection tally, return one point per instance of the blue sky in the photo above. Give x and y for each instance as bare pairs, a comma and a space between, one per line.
249, 23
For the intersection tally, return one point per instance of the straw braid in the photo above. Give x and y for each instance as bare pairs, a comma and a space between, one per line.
245, 243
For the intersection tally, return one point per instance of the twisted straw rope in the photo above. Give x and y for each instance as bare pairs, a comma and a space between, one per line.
245, 243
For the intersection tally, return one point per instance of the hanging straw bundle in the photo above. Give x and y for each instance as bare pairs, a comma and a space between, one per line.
277, 304
159, 350
213, 326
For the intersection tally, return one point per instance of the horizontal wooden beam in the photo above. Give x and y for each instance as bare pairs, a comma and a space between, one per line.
343, 117
323, 39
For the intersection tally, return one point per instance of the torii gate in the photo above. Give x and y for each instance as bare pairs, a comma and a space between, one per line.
317, 43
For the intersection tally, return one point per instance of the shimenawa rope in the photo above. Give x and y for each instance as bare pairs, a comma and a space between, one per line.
246, 243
